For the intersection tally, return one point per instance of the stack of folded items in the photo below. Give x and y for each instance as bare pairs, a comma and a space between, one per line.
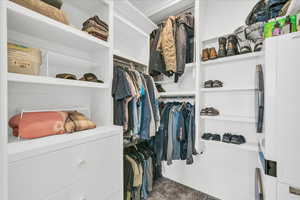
96, 27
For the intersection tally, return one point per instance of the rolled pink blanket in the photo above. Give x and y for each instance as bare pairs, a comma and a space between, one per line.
38, 124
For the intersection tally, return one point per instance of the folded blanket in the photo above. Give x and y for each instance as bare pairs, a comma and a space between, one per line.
97, 20
38, 124
100, 32
91, 23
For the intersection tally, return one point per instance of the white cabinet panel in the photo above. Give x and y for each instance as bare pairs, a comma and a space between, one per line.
41, 176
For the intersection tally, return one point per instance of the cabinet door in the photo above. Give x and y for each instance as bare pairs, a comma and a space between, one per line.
288, 105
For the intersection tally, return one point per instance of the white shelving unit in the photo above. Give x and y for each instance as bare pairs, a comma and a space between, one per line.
224, 89
173, 94
233, 58
248, 147
230, 118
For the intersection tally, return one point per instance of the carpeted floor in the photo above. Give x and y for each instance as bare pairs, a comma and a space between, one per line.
165, 189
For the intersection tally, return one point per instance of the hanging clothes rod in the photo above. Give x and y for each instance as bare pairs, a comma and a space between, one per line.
178, 97
177, 14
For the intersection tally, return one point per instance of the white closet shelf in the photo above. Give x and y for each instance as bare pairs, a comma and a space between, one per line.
246, 147
172, 94
233, 58
28, 148
14, 77
132, 14
230, 118
26, 21
226, 89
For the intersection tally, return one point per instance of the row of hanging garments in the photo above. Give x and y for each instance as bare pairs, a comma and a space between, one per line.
135, 102
175, 139
139, 171
172, 46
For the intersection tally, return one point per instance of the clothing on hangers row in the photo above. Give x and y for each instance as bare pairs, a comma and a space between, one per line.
175, 139
135, 102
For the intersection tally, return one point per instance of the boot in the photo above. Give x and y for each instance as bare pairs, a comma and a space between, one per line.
205, 55
254, 33
222, 47
244, 44
160, 88
212, 53
232, 48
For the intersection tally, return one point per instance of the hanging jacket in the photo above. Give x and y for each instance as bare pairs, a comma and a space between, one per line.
185, 28
167, 46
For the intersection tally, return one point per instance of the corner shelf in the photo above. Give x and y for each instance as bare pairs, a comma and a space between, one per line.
252, 147
26, 21
233, 58
14, 77
230, 118
224, 89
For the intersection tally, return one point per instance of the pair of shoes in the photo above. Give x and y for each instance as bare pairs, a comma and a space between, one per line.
234, 139
90, 77
210, 111
209, 54
213, 84
232, 46
213, 137
160, 88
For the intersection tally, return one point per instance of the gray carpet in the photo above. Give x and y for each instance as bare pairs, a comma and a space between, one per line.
165, 189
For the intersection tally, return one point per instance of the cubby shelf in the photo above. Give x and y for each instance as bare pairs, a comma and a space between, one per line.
13, 77
23, 20
211, 90
172, 94
246, 147
233, 58
230, 118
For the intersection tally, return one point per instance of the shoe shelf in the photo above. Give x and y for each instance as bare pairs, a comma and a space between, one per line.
233, 58
21, 78
252, 147
230, 118
226, 89
26, 21
20, 149
173, 94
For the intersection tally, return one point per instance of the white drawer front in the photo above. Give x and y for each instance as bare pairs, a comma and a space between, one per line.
285, 192
39, 177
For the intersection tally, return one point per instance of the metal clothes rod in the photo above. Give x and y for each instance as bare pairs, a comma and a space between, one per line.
177, 14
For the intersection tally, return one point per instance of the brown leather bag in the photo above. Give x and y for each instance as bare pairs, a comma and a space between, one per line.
44, 9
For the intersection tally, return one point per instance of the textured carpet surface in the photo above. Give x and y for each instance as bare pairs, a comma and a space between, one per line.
165, 189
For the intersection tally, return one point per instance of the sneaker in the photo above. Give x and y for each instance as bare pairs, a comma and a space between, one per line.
238, 139
227, 138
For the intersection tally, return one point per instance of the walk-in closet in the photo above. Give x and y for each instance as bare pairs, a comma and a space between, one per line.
149, 100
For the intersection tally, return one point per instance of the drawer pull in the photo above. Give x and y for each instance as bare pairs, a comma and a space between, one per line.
80, 164
295, 191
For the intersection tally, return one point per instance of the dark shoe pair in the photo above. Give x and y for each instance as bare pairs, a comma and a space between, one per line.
209, 54
234, 139
210, 111
213, 137
160, 88
213, 84
232, 46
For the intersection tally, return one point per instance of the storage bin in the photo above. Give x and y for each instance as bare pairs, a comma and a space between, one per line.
44, 9
24, 60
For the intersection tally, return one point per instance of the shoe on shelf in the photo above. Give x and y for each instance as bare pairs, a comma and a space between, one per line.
213, 53
205, 54
210, 111
254, 33
216, 137
207, 136
208, 84
238, 139
227, 137
232, 45
244, 44
217, 84
160, 88
222, 52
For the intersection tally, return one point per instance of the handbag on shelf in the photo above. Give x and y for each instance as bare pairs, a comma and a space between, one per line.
24, 60
44, 9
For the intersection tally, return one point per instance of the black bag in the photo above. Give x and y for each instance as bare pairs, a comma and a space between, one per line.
258, 14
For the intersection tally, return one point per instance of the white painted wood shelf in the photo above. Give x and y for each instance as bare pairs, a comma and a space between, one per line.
224, 89
172, 94
21, 78
25, 21
230, 118
232, 58
252, 147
